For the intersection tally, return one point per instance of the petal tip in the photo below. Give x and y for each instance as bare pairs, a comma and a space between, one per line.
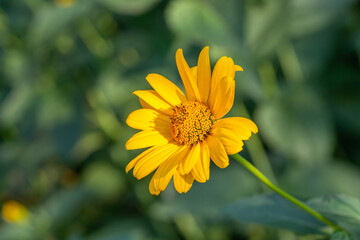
128, 168
149, 75
238, 68
206, 48
225, 166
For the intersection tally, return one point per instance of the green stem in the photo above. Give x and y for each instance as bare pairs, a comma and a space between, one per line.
282, 193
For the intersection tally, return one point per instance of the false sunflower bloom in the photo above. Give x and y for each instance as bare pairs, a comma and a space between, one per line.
185, 131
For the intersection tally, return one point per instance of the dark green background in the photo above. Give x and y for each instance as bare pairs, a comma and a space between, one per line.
66, 78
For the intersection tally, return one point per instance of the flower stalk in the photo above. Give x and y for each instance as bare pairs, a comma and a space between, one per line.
282, 193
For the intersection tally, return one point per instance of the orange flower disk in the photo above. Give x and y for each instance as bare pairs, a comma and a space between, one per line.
185, 131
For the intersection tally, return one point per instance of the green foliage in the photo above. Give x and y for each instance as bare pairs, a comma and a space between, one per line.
288, 128
197, 21
129, 7
275, 211
67, 71
341, 208
342, 235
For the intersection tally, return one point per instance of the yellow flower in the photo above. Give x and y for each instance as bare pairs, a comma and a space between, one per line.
14, 212
185, 131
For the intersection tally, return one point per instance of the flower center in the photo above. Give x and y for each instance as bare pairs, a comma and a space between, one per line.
191, 122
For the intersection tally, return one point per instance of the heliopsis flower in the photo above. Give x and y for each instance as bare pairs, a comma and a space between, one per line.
14, 212
185, 131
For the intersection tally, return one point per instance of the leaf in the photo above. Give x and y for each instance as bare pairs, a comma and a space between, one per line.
309, 16
343, 209
129, 7
263, 34
298, 126
339, 207
50, 20
195, 20
275, 211
281, 20
129, 229
343, 235
320, 181
102, 179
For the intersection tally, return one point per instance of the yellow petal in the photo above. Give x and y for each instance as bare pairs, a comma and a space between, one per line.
166, 89
221, 99
153, 99
194, 72
191, 88
133, 162
183, 183
148, 138
190, 160
205, 159
148, 119
152, 188
197, 172
241, 126
201, 170
152, 160
204, 74
232, 131
167, 169
229, 140
238, 68
224, 67
217, 152
144, 104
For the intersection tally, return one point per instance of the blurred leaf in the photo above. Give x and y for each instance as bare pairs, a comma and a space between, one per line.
343, 235
129, 7
318, 180
66, 134
263, 34
232, 12
88, 143
16, 104
51, 19
16, 67
18, 232
53, 109
342, 209
34, 153
309, 16
112, 89
61, 207
314, 51
281, 20
297, 125
273, 210
129, 229
103, 180
197, 20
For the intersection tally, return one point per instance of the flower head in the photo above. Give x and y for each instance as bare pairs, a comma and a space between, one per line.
185, 131
14, 212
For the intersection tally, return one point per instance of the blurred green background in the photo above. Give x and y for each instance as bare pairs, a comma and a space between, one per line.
67, 71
